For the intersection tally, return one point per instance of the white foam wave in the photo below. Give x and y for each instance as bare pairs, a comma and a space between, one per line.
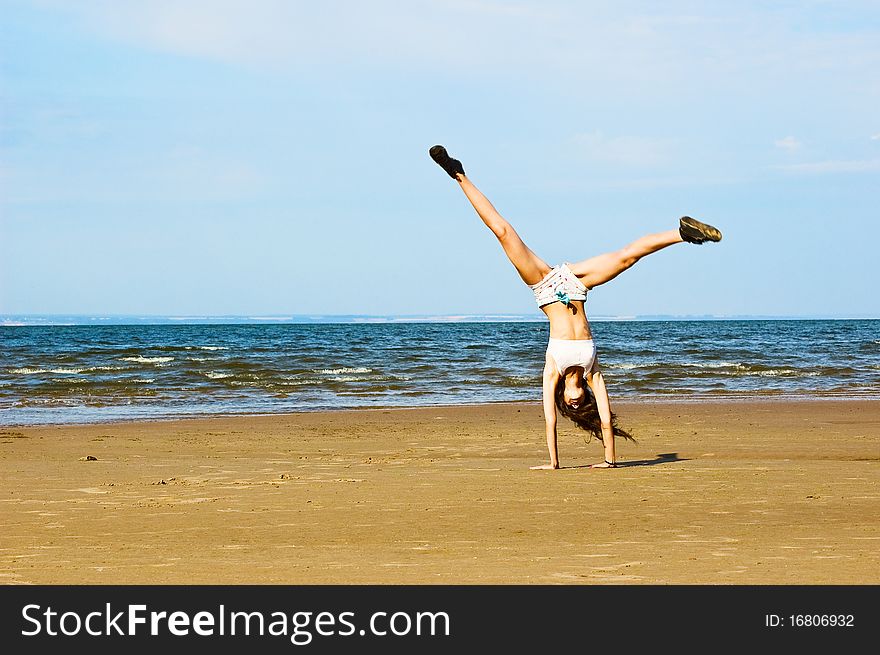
217, 376
716, 365
64, 370
648, 364
206, 348
143, 380
777, 372
340, 371
148, 360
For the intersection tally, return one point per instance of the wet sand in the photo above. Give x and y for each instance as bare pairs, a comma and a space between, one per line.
713, 493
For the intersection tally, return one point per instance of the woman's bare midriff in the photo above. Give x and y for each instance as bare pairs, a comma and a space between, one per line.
568, 322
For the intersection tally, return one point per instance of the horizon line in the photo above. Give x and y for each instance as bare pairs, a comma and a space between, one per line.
26, 320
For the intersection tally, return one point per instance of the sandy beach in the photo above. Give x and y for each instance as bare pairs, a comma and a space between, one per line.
713, 493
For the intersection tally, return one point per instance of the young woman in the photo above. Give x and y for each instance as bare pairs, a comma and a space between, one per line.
572, 381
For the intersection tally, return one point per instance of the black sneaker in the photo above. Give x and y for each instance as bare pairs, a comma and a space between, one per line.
693, 231
447, 163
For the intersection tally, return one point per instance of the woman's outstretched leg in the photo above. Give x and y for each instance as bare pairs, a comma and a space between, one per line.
599, 270
530, 267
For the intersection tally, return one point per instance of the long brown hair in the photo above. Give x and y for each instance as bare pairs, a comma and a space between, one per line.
586, 417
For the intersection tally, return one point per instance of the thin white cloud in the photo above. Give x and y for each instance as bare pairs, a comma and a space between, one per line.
789, 143
625, 150
645, 43
190, 171
305, 35
180, 174
875, 137
836, 166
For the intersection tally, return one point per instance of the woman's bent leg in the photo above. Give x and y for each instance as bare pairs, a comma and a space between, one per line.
530, 267
599, 270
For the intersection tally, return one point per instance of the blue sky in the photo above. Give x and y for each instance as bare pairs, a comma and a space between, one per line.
270, 157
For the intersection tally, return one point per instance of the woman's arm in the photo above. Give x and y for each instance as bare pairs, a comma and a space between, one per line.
603, 404
551, 377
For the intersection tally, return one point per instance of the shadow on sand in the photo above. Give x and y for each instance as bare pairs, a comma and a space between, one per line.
661, 458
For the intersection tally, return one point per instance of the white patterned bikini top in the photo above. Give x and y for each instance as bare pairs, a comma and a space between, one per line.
559, 285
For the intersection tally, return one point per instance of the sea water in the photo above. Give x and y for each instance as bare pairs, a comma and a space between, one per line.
75, 374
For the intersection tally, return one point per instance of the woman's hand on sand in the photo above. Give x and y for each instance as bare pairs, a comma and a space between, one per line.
544, 467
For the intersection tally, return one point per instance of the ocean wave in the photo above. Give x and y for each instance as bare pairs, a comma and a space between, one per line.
785, 372
629, 366
217, 376
520, 380
71, 370
340, 371
57, 371
206, 347
386, 391
727, 369
45, 402
147, 360
624, 367
421, 368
